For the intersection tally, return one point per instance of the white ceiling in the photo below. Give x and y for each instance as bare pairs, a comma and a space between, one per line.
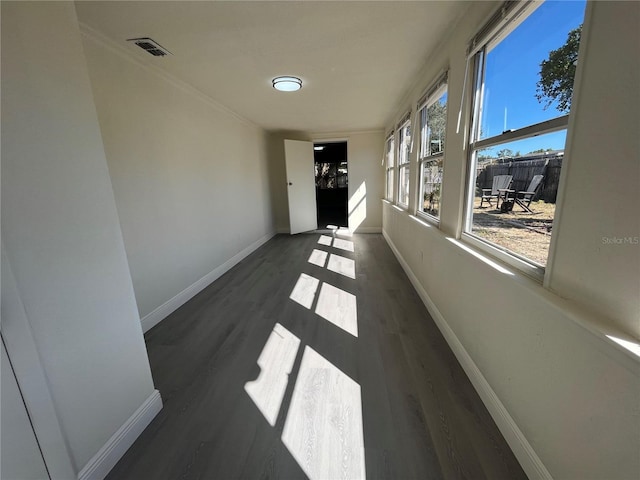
356, 59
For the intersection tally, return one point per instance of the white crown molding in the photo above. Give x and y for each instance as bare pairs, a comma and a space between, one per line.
98, 37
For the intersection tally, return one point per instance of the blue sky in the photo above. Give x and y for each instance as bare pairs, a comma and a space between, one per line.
513, 70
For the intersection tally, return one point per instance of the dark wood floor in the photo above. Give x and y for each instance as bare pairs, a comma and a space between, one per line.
420, 416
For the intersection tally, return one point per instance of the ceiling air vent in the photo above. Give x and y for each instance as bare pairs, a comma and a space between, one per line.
150, 46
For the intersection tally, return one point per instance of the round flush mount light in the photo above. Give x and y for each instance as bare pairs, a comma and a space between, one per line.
287, 84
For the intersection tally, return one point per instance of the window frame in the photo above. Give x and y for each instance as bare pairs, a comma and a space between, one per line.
389, 159
477, 58
406, 122
434, 93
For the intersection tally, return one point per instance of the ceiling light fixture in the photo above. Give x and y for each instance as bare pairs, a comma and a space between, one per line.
318, 148
287, 84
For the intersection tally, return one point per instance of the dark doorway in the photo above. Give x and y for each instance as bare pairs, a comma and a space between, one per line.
332, 183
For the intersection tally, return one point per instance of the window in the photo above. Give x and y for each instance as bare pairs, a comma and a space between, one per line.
404, 147
390, 163
519, 126
433, 122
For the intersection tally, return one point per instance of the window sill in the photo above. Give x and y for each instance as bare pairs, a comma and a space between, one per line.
428, 219
531, 270
622, 346
625, 347
425, 222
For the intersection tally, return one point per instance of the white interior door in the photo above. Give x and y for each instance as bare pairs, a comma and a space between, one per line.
301, 186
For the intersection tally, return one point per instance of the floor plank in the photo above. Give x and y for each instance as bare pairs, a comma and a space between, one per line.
304, 364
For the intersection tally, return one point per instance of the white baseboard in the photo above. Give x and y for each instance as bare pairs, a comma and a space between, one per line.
102, 462
358, 230
368, 230
167, 308
522, 449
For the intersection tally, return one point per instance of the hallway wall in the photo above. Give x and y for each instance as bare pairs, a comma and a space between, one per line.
190, 179
62, 236
563, 392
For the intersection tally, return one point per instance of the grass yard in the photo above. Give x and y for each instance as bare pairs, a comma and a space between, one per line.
528, 234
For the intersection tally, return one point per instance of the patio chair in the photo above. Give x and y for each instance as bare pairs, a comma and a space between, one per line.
500, 182
524, 197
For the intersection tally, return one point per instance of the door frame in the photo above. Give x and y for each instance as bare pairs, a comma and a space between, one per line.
338, 140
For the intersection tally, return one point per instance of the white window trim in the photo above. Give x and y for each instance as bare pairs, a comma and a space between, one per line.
387, 168
434, 93
427, 216
522, 263
548, 126
400, 166
405, 206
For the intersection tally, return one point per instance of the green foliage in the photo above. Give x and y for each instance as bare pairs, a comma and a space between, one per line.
437, 122
557, 72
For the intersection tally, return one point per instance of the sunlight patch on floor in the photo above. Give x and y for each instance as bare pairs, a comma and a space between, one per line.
323, 430
345, 232
275, 362
318, 257
342, 244
305, 290
342, 265
338, 307
325, 240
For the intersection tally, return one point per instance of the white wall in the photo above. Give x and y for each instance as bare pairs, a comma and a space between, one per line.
20, 456
568, 389
190, 180
600, 200
366, 176
61, 232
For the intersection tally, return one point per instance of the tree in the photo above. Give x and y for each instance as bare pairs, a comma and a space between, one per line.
557, 72
436, 121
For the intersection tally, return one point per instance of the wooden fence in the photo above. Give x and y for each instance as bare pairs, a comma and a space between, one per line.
523, 171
